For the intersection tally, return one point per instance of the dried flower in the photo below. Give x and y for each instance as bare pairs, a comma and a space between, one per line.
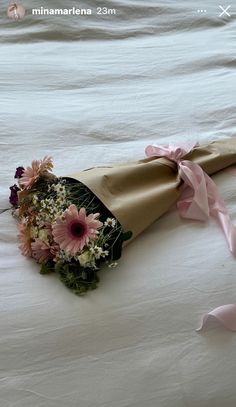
19, 172
13, 198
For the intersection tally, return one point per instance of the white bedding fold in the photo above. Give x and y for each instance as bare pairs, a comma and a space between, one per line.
95, 91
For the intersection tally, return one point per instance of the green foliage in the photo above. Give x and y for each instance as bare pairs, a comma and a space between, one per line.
77, 278
47, 268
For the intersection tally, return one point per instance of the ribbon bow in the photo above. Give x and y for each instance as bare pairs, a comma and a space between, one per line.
200, 198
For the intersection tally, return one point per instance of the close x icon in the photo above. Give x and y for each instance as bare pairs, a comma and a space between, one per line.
225, 11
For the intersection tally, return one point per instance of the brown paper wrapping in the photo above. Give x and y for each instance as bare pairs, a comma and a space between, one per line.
138, 193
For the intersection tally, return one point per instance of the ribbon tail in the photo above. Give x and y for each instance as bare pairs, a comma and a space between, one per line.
193, 202
228, 229
225, 315
219, 211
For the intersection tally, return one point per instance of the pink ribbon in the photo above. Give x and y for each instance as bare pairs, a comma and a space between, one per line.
200, 197
199, 200
225, 315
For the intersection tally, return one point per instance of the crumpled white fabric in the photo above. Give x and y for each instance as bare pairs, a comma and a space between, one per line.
154, 74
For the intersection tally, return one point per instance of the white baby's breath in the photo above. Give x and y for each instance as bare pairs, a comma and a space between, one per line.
96, 251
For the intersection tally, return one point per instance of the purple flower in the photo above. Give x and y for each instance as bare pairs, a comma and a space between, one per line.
13, 198
19, 172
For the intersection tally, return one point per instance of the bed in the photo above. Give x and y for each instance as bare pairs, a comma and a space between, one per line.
95, 90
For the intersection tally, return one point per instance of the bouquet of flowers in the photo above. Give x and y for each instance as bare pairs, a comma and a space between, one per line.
73, 225
64, 226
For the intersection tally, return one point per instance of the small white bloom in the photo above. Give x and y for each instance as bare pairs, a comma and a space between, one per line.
37, 219
113, 265
96, 251
104, 253
64, 256
111, 222
35, 199
60, 190
60, 200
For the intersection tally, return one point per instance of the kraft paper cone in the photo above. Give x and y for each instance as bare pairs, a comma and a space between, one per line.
138, 193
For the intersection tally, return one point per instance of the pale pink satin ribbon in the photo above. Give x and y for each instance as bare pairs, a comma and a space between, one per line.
199, 200
225, 315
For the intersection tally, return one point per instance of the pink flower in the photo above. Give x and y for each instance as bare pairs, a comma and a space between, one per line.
25, 240
31, 174
74, 229
42, 251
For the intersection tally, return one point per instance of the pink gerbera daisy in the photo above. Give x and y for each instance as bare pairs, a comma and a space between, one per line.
74, 229
31, 174
25, 240
42, 251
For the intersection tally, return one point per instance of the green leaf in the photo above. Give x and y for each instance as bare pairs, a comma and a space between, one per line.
116, 250
46, 268
58, 267
127, 235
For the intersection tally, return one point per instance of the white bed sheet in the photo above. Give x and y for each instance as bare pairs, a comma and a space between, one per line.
96, 91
